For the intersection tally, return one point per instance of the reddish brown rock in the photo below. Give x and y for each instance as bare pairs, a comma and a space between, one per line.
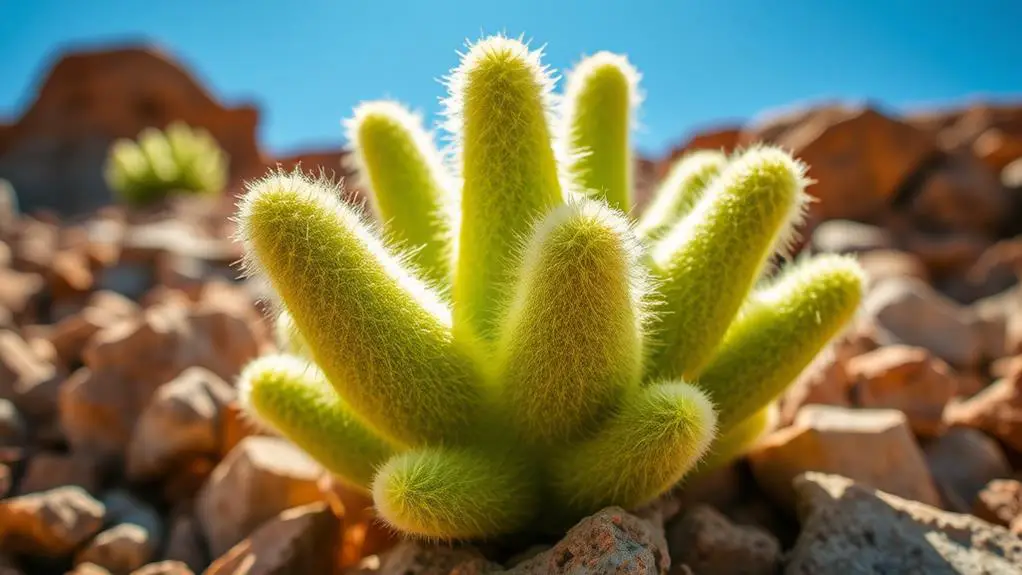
13, 430
6, 480
261, 477
910, 312
609, 541
181, 421
164, 568
906, 378
20, 295
1000, 502
858, 156
120, 549
70, 336
874, 446
96, 411
962, 461
960, 194
852, 528
27, 381
49, 470
997, 411
299, 540
51, 523
53, 155
705, 541
883, 264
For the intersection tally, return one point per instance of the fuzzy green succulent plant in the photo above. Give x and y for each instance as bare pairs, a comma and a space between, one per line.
509, 348
178, 159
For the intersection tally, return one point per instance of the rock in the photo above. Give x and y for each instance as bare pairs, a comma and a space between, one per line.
959, 194
411, 557
996, 271
852, 529
70, 277
120, 549
1006, 366
6, 480
53, 155
129, 361
7, 567
70, 336
1000, 502
849, 237
164, 568
706, 542
123, 507
962, 461
34, 246
906, 378
13, 430
912, 313
181, 420
96, 411
874, 446
49, 470
858, 156
235, 426
826, 380
28, 382
610, 541
362, 531
996, 411
20, 296
88, 569
885, 264
51, 523
991, 317
185, 543
260, 478
299, 540
947, 255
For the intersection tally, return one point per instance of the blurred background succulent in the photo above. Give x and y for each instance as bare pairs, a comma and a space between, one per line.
177, 160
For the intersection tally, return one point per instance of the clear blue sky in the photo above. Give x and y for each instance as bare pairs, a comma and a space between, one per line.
306, 63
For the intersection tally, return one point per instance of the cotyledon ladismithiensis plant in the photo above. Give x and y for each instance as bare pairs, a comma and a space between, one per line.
509, 348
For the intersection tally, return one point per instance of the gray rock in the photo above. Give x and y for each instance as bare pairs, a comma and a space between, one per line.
849, 237
962, 462
705, 541
851, 529
909, 311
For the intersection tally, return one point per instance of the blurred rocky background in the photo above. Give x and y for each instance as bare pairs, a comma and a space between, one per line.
122, 449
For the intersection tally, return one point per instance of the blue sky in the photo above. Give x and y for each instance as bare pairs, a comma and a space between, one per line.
307, 63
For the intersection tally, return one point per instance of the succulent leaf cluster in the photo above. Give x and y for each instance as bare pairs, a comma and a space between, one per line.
510, 347
177, 160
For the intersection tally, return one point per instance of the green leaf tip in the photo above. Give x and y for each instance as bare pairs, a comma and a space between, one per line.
679, 192
408, 184
601, 94
570, 357
499, 108
781, 329
382, 336
713, 256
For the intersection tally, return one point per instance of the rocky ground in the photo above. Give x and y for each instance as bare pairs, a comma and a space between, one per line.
122, 449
